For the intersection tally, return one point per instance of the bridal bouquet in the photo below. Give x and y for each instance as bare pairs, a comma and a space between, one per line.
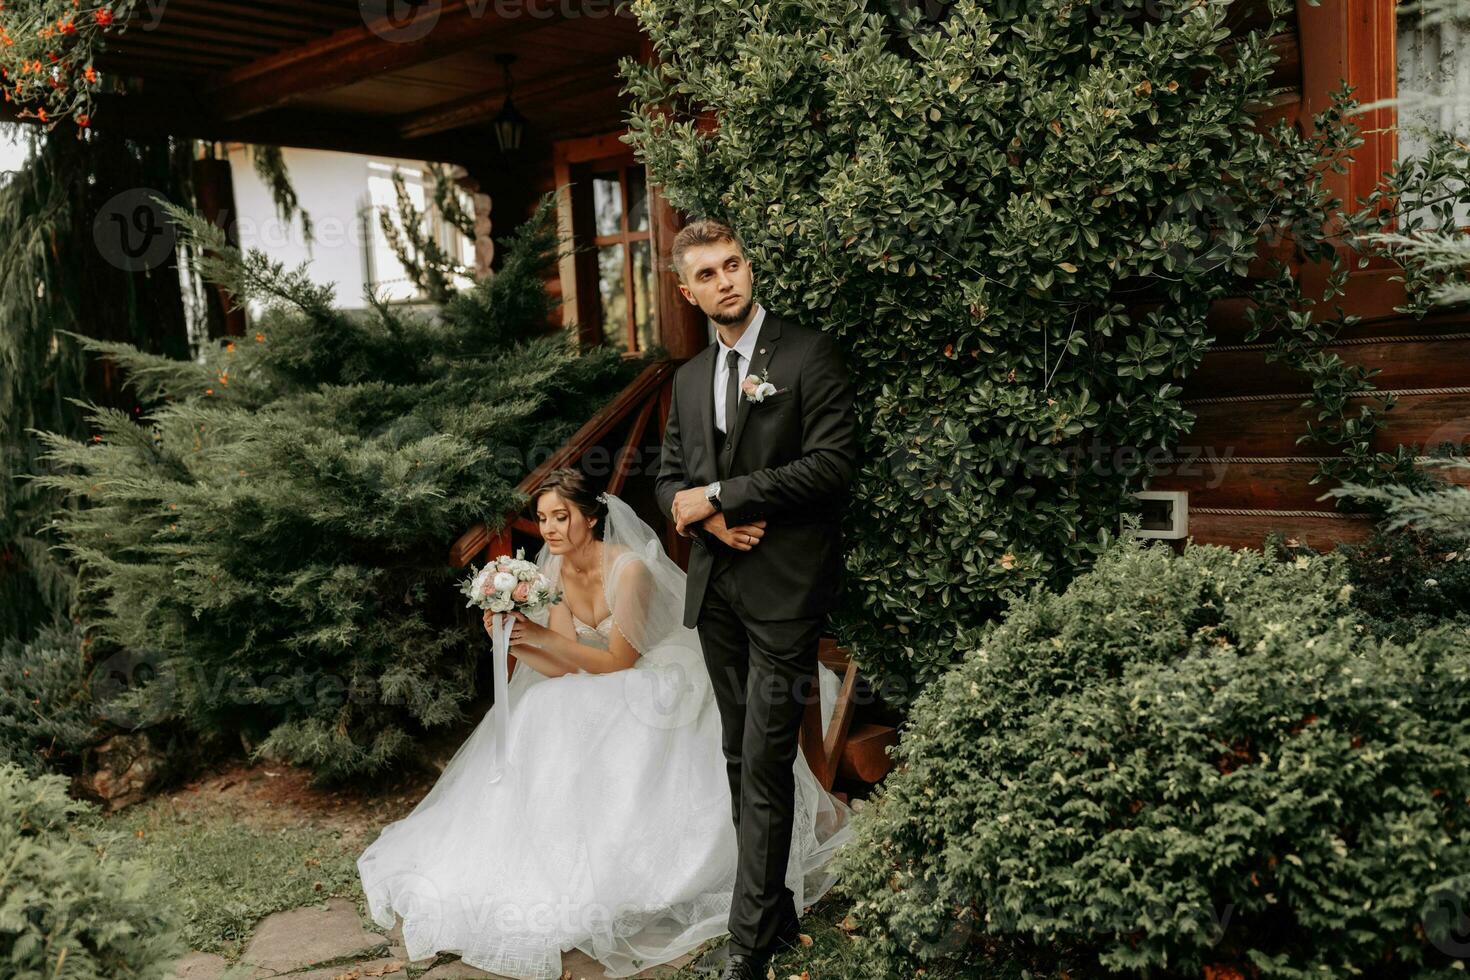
503, 586
507, 584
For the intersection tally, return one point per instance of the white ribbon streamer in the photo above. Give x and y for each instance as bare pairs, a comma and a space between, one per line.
500, 637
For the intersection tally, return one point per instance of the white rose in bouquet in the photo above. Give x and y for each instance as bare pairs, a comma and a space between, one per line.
507, 584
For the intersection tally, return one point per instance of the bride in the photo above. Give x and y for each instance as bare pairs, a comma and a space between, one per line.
610, 830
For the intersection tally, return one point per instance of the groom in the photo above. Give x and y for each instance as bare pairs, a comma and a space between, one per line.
758, 453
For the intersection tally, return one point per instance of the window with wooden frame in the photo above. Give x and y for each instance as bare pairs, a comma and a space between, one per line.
1353, 41
616, 285
1433, 55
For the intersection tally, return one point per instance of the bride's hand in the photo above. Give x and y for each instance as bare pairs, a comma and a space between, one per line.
525, 632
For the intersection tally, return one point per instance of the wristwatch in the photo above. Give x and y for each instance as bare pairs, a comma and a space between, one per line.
712, 494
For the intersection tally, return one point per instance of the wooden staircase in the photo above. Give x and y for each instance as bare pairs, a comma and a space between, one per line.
854, 751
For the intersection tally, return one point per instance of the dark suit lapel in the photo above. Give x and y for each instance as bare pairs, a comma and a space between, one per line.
760, 360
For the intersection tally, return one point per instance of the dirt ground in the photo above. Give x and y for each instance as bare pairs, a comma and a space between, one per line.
278, 793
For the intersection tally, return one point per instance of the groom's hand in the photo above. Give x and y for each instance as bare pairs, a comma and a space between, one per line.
690, 507
741, 537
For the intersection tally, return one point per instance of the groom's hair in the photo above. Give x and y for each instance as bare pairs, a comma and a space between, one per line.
572, 485
706, 231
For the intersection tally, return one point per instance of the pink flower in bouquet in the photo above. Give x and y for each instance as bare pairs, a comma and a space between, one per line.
522, 592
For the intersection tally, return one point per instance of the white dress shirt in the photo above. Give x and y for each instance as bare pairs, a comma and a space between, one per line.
746, 346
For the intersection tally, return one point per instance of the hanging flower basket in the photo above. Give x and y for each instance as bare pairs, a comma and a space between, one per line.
46, 53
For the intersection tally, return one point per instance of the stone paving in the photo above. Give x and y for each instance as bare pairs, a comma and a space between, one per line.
330, 943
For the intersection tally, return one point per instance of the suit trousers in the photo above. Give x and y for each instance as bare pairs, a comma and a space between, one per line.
763, 674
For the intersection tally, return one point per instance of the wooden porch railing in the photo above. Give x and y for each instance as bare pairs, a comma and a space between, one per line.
650, 390
856, 753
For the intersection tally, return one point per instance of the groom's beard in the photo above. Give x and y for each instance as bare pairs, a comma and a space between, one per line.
725, 319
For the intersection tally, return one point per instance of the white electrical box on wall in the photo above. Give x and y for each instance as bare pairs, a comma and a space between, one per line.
1165, 514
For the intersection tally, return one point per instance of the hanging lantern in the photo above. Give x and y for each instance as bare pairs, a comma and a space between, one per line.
509, 124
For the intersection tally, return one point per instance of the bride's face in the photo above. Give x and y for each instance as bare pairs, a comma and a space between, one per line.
562, 525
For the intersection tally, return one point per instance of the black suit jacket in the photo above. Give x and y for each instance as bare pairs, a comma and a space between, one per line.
789, 459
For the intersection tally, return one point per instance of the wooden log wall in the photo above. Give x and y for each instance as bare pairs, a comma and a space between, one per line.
1246, 474
1243, 468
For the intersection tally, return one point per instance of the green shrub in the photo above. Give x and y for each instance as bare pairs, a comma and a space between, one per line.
1406, 581
1015, 218
1413, 572
46, 714
1180, 763
68, 907
263, 557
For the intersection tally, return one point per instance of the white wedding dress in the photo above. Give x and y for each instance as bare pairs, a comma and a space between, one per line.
611, 830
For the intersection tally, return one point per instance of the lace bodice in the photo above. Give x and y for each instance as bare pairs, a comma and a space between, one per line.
593, 635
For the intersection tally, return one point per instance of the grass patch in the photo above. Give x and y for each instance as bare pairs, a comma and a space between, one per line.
228, 873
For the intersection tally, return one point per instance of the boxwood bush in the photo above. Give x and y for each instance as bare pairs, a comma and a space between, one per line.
1014, 217
1406, 581
46, 712
67, 907
1183, 765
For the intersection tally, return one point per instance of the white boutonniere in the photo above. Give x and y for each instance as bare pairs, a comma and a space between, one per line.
755, 388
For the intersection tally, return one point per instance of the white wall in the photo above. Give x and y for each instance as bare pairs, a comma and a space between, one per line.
334, 189
13, 146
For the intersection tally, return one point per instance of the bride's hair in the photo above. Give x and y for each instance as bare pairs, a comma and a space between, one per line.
574, 487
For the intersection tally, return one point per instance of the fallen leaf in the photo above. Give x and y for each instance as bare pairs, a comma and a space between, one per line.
805, 939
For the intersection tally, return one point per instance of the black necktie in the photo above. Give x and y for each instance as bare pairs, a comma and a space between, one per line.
732, 393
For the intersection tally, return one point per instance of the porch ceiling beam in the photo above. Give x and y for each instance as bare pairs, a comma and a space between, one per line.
376, 47
480, 108
147, 116
256, 19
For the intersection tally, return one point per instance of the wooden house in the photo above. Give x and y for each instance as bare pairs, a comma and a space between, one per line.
424, 79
